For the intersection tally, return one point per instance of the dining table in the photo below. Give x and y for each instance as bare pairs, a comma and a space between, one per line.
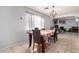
43, 33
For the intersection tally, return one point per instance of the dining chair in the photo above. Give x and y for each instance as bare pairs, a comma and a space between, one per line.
43, 29
37, 39
51, 28
54, 35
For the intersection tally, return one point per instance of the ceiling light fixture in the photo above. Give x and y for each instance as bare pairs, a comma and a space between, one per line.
53, 13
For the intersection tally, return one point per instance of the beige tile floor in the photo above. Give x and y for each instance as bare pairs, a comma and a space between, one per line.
67, 43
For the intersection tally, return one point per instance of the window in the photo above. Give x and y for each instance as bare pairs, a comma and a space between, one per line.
33, 21
38, 21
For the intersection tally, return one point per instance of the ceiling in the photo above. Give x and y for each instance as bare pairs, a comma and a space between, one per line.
60, 10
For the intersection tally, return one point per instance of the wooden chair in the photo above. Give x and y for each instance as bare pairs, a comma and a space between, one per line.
43, 29
51, 28
37, 39
54, 35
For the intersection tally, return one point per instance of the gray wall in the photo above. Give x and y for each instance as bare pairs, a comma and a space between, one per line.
12, 27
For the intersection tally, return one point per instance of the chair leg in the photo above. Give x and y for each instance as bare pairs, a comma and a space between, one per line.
54, 39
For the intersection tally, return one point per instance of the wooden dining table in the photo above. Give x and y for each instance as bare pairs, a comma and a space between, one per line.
43, 33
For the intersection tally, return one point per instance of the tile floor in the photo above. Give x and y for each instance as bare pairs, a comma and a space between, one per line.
67, 43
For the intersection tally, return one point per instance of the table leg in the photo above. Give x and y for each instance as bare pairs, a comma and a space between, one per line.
43, 45
30, 40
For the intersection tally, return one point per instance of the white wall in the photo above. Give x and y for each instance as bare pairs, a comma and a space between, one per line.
12, 27
69, 24
48, 23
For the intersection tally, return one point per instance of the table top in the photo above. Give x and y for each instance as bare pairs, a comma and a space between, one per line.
46, 32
